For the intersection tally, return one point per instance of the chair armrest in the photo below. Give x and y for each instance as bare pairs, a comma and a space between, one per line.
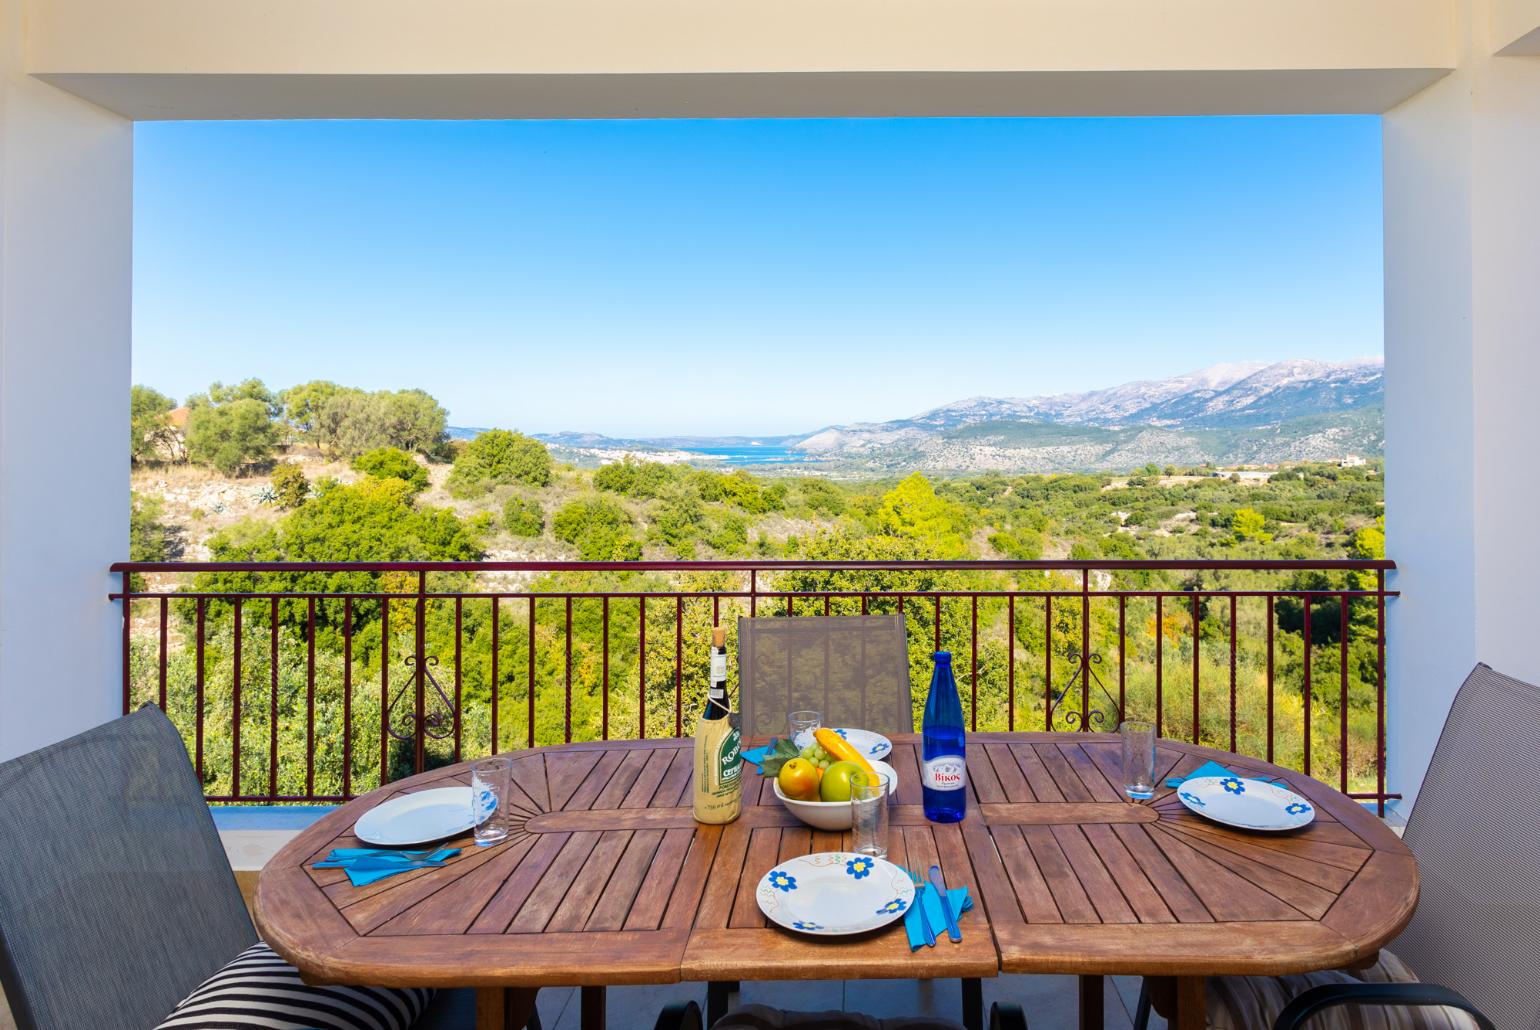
1298, 1012
682, 1015
1005, 1016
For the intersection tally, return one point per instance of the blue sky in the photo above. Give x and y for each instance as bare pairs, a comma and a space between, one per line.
756, 277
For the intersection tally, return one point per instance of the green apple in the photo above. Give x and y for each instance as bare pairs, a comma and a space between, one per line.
835, 785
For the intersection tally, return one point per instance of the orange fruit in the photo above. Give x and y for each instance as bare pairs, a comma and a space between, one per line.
798, 780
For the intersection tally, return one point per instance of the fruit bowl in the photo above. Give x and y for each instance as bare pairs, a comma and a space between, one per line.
831, 815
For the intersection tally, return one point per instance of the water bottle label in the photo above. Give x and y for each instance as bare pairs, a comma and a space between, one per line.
948, 772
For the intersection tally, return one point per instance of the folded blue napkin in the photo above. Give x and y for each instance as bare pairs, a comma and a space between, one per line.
931, 899
1206, 769
368, 865
755, 755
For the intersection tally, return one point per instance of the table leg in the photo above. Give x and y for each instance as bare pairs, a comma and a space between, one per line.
1092, 1012
717, 995
973, 1003
592, 1013
505, 1008
1191, 1009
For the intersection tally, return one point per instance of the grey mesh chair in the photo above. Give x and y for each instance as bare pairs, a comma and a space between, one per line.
1475, 830
852, 669
116, 898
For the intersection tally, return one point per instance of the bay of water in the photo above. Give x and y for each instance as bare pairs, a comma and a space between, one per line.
754, 455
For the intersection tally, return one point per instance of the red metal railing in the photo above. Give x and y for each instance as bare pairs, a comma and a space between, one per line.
330, 717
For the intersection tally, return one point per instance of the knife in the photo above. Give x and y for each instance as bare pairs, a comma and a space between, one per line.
952, 929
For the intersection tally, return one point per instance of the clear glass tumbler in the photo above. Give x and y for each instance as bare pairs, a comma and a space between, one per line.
1139, 760
490, 779
869, 814
803, 722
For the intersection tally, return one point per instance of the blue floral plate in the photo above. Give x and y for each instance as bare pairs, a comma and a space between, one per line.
1247, 804
835, 893
871, 745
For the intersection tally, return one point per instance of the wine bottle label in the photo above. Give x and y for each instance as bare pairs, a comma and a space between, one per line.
947, 772
730, 759
718, 668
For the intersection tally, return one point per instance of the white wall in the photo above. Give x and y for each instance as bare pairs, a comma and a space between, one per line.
65, 273
1462, 371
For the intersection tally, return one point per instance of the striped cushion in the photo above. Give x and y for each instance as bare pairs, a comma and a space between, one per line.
1252, 1002
260, 991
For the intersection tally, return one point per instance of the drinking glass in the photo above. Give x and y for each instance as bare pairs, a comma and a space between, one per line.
490, 779
1138, 760
804, 722
869, 814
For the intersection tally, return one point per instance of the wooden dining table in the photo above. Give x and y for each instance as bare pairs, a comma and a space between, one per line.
608, 880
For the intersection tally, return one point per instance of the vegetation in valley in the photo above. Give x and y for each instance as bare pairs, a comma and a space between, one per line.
321, 472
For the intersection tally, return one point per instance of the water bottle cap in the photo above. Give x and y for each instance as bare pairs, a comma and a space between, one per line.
943, 657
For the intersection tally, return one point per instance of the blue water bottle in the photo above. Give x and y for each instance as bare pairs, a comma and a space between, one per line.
943, 769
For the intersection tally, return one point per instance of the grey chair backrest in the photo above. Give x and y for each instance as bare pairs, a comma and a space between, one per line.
116, 898
852, 669
1475, 830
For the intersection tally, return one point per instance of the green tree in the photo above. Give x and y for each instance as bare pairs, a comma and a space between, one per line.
913, 510
740, 488
392, 463
290, 487
302, 404
352, 422
371, 520
231, 434
633, 478
1020, 544
497, 457
246, 390
151, 434
1249, 524
150, 538
523, 517
600, 530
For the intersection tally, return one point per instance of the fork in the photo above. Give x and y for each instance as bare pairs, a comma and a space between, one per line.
919, 898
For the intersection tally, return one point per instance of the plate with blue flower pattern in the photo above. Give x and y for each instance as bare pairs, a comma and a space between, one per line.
835, 893
871, 745
1247, 804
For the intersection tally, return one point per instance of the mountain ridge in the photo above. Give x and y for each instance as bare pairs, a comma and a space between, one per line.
1231, 413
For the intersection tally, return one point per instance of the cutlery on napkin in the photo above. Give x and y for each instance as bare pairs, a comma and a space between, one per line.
952, 929
926, 911
368, 865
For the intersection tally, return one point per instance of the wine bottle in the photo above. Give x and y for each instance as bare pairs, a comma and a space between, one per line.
718, 745
944, 768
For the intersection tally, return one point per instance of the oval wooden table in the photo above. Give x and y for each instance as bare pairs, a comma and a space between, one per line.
607, 879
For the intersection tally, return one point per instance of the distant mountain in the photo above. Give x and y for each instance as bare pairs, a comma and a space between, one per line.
1239, 413
1233, 394
1227, 414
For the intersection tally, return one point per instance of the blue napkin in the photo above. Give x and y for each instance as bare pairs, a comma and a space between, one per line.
369, 865
1206, 769
931, 899
755, 755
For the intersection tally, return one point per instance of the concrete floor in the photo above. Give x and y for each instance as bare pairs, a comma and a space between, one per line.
1049, 1001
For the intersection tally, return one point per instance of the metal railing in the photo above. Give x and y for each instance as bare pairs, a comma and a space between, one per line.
351, 674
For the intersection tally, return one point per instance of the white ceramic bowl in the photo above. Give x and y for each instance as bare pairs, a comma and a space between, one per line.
832, 815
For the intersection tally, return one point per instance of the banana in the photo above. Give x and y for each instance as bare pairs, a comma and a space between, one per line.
840, 748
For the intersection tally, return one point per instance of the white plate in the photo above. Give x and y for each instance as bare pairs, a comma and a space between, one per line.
420, 818
872, 745
1248, 804
835, 893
